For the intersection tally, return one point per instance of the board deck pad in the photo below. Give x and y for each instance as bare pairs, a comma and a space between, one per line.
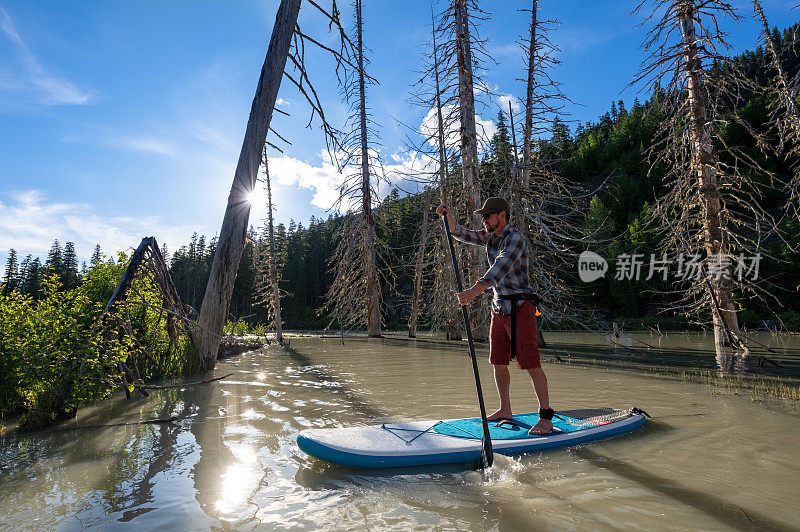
473, 427
458, 441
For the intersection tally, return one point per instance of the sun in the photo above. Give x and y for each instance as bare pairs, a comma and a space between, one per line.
251, 197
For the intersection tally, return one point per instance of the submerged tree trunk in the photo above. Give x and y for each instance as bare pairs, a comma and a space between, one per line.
370, 263
230, 245
704, 165
273, 267
469, 147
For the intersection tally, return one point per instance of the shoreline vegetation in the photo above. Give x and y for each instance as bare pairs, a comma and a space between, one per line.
59, 350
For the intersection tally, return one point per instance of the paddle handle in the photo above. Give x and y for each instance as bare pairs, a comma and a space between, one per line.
487, 456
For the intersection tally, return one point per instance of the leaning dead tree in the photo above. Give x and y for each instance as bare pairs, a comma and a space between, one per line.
267, 289
711, 216
230, 245
144, 332
354, 297
287, 44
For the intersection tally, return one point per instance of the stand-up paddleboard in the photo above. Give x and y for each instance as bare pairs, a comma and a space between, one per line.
458, 441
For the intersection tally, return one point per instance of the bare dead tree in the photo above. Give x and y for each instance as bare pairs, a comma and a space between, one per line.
469, 141
712, 208
527, 131
268, 292
544, 98
230, 245
356, 290
546, 207
459, 64
287, 44
436, 143
785, 113
419, 261
466, 100
427, 145
144, 304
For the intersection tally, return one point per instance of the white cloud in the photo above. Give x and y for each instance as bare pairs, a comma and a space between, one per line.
30, 222
481, 87
32, 79
486, 130
144, 145
503, 99
324, 179
410, 165
429, 127
511, 50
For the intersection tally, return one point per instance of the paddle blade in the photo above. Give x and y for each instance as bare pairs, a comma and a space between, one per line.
487, 456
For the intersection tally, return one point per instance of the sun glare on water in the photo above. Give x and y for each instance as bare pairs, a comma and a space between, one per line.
239, 480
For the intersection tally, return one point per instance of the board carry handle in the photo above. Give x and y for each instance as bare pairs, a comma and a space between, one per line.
487, 457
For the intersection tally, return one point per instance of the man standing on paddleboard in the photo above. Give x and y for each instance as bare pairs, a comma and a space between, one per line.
507, 252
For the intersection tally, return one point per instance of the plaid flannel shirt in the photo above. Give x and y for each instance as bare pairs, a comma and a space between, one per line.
508, 258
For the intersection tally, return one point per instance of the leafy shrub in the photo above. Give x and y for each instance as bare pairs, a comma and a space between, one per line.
53, 358
238, 328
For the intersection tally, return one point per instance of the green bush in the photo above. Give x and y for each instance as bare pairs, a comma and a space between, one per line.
238, 328
53, 358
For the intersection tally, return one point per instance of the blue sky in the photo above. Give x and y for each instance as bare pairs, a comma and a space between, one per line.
125, 119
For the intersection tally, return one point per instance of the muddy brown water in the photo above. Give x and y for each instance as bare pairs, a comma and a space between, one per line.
706, 461
770, 356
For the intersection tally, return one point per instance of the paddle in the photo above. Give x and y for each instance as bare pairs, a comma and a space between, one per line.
487, 457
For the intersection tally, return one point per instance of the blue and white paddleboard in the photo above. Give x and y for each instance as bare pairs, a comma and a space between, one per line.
458, 441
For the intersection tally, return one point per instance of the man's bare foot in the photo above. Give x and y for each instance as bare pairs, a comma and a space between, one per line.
500, 414
544, 426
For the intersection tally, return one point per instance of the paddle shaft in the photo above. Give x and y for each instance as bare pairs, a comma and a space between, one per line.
487, 457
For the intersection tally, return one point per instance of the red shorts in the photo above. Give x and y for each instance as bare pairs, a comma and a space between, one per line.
527, 352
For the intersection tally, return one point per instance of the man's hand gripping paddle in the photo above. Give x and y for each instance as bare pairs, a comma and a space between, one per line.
487, 456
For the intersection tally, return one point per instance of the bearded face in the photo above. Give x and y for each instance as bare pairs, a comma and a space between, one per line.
492, 221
